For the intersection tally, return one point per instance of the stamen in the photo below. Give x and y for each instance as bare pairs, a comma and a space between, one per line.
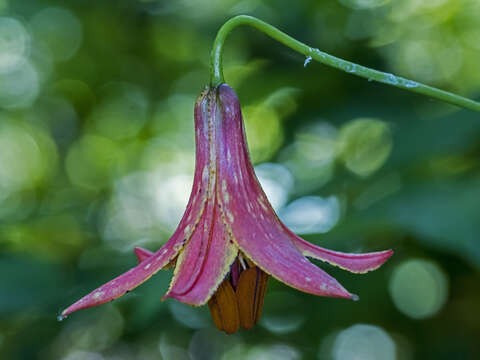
250, 294
224, 308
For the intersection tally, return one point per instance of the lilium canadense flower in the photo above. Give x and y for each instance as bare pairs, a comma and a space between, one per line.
229, 239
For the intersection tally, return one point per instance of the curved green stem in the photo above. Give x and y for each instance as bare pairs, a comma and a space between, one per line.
216, 75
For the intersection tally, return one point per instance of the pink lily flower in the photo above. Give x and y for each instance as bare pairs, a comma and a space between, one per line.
230, 240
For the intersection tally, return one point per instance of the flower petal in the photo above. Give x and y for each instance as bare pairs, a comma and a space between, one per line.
142, 254
356, 263
127, 281
196, 204
147, 267
274, 253
254, 225
205, 262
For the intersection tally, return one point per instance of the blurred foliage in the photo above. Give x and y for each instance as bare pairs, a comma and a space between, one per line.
96, 157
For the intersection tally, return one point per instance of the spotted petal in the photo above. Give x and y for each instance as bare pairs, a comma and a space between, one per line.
149, 265
127, 281
254, 225
205, 262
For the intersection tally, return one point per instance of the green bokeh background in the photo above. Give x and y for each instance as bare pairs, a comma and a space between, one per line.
97, 156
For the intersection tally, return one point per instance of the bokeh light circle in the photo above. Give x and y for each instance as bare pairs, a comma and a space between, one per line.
14, 43
19, 88
419, 288
91, 160
20, 159
277, 182
364, 4
273, 352
60, 30
27, 156
363, 342
364, 145
312, 214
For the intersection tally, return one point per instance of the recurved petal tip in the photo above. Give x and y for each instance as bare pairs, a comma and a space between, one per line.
356, 263
127, 281
142, 254
71, 309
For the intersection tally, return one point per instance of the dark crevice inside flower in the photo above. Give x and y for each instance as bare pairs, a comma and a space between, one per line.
229, 240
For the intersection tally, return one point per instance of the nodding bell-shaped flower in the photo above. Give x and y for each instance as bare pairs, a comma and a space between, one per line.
230, 240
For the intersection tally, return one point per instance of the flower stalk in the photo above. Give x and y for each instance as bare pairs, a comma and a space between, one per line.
216, 63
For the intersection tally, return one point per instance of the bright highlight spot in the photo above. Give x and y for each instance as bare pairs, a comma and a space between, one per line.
128, 214
262, 144
364, 145
364, 4
170, 197
14, 44
20, 159
60, 30
276, 181
273, 352
282, 324
27, 155
20, 87
419, 288
311, 158
311, 214
91, 161
122, 112
363, 342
